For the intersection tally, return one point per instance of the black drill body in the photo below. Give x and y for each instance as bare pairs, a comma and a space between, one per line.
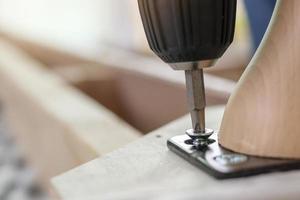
188, 30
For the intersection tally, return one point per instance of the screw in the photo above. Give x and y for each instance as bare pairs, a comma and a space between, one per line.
200, 139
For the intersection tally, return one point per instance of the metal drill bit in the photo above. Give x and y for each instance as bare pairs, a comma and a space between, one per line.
196, 98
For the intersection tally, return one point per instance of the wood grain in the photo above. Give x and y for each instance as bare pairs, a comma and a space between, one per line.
146, 169
262, 116
218, 88
55, 125
128, 94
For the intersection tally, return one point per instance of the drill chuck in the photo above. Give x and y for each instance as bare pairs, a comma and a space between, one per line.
183, 32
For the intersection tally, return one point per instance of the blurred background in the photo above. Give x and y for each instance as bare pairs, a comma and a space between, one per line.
105, 38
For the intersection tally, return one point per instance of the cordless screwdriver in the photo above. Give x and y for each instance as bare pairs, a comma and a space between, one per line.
190, 35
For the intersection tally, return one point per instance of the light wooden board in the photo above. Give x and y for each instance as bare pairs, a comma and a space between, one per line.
119, 58
56, 126
146, 169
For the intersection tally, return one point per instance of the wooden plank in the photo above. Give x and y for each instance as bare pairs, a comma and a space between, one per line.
46, 54
57, 126
128, 93
119, 58
146, 169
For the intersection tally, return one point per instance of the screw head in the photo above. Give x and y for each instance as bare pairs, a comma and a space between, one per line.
199, 135
200, 140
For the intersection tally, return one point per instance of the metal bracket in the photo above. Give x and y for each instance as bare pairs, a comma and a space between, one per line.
222, 163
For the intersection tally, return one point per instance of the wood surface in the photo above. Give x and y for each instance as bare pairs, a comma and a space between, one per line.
56, 126
128, 94
67, 93
217, 87
262, 116
146, 169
